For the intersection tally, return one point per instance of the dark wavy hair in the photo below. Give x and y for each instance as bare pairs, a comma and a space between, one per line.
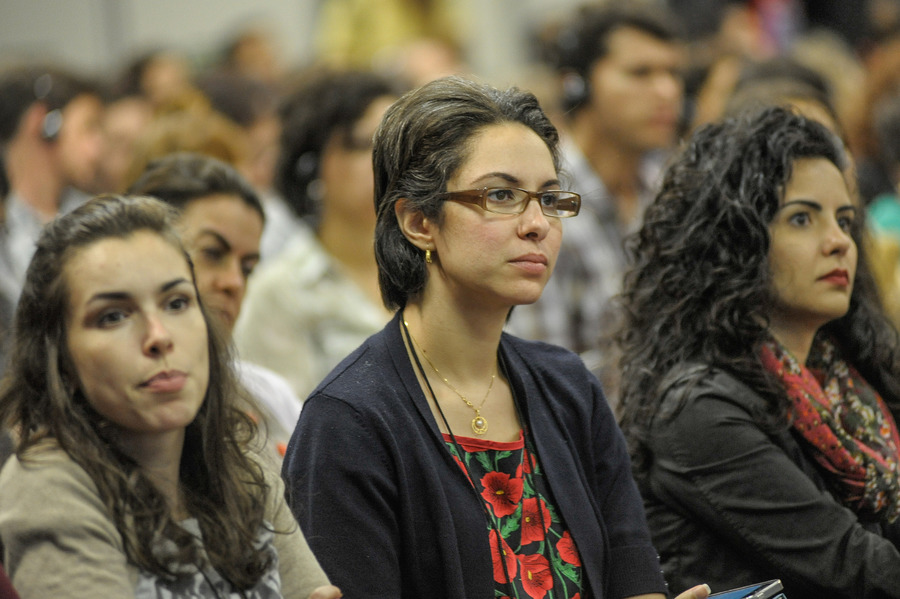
40, 397
699, 293
324, 108
422, 141
183, 177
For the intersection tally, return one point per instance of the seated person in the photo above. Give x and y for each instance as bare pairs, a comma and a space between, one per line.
318, 299
134, 473
471, 463
761, 386
221, 223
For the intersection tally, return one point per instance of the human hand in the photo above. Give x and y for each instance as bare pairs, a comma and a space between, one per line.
701, 591
332, 592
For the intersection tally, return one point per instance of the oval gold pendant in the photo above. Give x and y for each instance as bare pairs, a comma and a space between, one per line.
479, 425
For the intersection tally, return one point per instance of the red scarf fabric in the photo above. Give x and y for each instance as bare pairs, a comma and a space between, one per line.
847, 425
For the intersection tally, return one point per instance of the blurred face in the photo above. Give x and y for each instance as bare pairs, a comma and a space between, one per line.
497, 260
80, 142
346, 169
136, 336
812, 256
124, 121
636, 91
222, 234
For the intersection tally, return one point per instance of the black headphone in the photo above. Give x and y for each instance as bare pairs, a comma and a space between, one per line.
575, 90
53, 120
569, 48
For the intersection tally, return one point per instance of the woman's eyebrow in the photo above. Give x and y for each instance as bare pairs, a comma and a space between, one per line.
513, 180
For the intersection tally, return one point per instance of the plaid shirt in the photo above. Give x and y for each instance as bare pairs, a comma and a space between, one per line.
574, 310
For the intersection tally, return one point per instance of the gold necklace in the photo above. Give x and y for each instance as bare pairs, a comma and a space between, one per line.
479, 423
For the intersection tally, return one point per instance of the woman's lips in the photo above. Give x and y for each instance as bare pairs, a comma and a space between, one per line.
168, 381
837, 276
531, 263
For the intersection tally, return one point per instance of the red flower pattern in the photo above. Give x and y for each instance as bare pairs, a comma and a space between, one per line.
501, 474
567, 550
532, 519
537, 578
501, 554
501, 492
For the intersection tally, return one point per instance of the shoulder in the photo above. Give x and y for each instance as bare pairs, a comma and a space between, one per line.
74, 506
45, 464
693, 383
707, 412
369, 368
546, 360
267, 386
302, 262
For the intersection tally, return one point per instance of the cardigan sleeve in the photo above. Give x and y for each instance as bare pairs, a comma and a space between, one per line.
58, 538
713, 463
633, 565
340, 490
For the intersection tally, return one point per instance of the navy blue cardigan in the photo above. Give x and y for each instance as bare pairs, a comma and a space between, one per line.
389, 514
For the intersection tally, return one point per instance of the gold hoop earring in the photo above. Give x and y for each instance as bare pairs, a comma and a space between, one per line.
428, 256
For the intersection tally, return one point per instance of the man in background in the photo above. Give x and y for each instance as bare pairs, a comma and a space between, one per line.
620, 66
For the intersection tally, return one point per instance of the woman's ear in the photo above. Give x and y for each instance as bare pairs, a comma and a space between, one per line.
416, 227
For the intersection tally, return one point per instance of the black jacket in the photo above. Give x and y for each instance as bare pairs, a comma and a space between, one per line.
730, 505
388, 512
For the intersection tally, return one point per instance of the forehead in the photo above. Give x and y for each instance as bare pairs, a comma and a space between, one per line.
817, 179
221, 208
83, 106
628, 44
509, 148
135, 264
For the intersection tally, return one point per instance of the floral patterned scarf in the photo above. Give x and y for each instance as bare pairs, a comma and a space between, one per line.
846, 423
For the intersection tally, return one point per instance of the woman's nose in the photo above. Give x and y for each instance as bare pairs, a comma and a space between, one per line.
533, 221
837, 240
158, 340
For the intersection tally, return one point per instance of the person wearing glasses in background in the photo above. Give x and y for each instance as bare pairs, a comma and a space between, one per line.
471, 463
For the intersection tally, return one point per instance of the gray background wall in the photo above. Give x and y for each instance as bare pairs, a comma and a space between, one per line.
99, 36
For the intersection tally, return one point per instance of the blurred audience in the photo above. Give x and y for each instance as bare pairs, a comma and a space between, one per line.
621, 70
367, 34
51, 142
252, 105
318, 300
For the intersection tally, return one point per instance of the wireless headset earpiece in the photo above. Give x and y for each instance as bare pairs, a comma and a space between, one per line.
52, 123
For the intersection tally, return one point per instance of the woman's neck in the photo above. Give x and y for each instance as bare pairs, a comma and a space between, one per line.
353, 248
798, 340
461, 346
159, 457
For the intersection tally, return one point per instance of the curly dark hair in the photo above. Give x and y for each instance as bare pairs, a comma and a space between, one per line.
699, 293
225, 489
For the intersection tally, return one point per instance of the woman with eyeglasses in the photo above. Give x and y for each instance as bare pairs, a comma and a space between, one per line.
451, 459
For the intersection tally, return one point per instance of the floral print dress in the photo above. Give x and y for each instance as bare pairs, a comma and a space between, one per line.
534, 555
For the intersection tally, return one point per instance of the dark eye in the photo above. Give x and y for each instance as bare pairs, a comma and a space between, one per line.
212, 254
845, 223
800, 219
178, 303
111, 317
247, 268
501, 195
549, 199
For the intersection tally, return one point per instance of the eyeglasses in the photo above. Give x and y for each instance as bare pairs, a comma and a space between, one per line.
512, 200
